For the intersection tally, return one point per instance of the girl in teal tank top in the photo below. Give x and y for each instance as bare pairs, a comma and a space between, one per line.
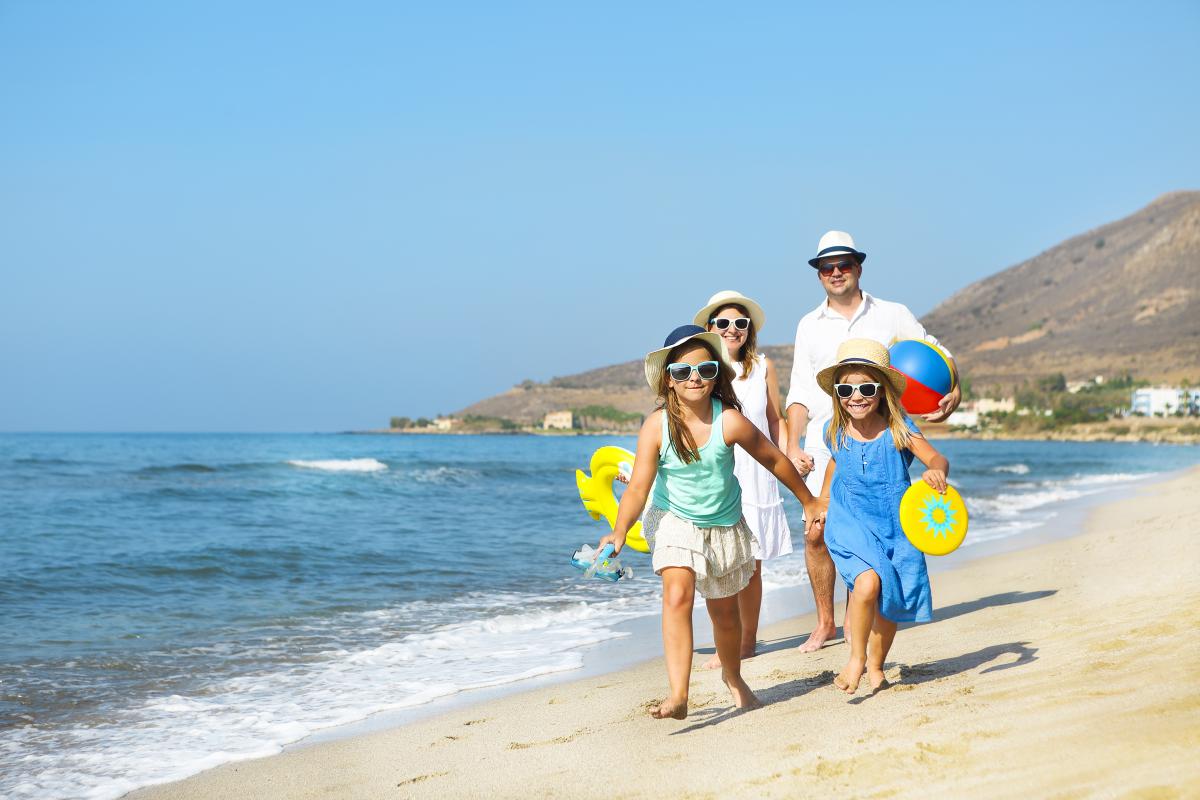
704, 492
700, 541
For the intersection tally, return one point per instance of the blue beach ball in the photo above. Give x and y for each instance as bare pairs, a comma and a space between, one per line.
929, 372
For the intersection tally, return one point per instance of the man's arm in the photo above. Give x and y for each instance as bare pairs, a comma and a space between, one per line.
797, 403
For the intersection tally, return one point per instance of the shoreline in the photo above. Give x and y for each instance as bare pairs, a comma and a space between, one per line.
639, 640
1087, 433
506, 737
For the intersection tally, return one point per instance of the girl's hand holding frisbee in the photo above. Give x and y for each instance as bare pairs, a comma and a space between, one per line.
935, 478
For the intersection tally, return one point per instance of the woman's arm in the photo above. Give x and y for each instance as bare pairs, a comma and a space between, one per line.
776, 424
645, 466
938, 465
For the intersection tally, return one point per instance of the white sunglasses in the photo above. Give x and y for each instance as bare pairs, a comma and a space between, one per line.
845, 390
721, 323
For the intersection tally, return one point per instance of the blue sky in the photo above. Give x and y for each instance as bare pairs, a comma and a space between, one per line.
303, 216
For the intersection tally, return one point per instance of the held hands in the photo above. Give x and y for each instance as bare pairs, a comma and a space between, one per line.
814, 516
801, 460
935, 478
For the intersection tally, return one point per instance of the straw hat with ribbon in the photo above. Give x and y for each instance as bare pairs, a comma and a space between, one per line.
656, 360
867, 353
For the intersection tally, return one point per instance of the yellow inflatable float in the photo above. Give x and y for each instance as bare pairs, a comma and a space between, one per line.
596, 490
936, 524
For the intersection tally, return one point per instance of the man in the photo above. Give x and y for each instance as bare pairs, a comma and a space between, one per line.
846, 313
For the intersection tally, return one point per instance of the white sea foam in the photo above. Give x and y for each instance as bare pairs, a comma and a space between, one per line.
1015, 469
342, 464
171, 737
1014, 503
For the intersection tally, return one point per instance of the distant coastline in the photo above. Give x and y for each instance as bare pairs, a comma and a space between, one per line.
1180, 430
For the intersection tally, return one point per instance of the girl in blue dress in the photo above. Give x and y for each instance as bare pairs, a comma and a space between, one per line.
873, 443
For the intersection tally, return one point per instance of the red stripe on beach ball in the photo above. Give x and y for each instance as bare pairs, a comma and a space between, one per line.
919, 398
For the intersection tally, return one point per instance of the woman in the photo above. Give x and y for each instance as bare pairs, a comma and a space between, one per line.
737, 320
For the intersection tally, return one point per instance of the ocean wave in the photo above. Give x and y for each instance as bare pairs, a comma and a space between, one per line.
1010, 504
443, 474
172, 468
170, 737
341, 464
1015, 469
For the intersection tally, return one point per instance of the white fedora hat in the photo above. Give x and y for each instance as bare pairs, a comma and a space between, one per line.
656, 359
730, 298
835, 243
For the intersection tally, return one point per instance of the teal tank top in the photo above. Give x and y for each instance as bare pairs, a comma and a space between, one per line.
704, 492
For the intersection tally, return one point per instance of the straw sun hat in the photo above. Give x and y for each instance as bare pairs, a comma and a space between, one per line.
656, 360
730, 298
866, 352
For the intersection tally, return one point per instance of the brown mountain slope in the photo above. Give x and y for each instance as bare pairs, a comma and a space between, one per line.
621, 386
1121, 298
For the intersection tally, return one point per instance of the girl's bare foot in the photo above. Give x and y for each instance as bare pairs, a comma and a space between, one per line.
715, 661
848, 680
743, 697
877, 679
670, 709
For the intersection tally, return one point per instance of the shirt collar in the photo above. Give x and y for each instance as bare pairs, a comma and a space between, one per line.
867, 300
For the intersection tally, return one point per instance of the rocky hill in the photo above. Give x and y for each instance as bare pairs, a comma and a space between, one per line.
1118, 299
1122, 298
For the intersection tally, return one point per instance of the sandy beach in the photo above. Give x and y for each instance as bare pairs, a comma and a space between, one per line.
1063, 670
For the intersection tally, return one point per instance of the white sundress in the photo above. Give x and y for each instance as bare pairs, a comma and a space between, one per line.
761, 504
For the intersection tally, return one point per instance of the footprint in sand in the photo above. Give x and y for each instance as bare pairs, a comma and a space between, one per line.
556, 740
421, 778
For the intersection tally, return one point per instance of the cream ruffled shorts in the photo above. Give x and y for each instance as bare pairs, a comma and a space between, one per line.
722, 557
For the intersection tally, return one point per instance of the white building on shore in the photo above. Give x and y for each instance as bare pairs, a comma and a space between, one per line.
558, 420
1164, 401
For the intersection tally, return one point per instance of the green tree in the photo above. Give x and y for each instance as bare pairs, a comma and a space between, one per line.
1053, 383
401, 422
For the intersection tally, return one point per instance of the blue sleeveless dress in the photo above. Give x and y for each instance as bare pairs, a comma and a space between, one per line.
862, 528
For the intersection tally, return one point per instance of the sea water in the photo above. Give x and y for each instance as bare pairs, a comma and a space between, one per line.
172, 602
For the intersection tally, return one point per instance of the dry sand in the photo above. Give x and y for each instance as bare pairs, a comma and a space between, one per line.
1061, 671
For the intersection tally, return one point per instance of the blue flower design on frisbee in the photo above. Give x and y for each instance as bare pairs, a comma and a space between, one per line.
934, 523
938, 516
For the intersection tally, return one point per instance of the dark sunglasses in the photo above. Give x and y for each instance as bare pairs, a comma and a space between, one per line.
846, 390
707, 370
721, 323
844, 266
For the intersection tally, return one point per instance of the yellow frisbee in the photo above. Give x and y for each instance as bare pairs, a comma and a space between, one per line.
936, 524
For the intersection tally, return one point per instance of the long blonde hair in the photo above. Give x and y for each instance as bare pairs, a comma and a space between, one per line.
681, 438
890, 408
750, 348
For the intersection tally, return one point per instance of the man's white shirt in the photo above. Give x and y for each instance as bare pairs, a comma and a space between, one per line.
818, 336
